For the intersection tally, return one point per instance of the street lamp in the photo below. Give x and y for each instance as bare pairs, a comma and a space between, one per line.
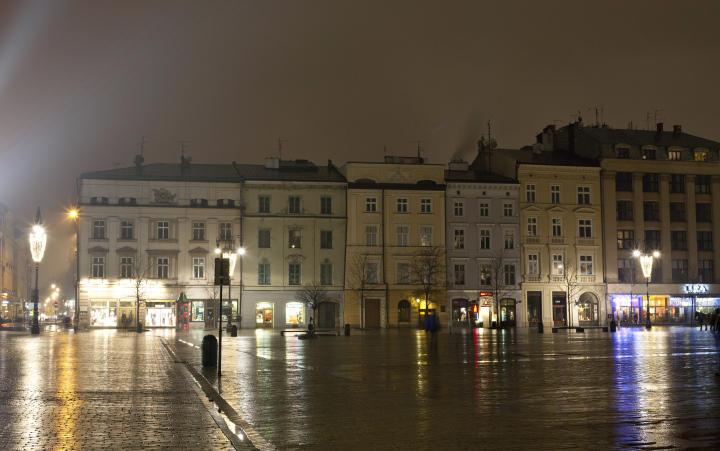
75, 215
38, 239
646, 263
231, 251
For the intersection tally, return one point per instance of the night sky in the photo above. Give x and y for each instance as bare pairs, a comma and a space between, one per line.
81, 82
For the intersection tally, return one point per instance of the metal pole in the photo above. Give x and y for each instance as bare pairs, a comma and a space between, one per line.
222, 262
35, 329
647, 286
77, 274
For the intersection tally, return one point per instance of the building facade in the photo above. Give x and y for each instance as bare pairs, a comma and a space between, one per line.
395, 209
15, 262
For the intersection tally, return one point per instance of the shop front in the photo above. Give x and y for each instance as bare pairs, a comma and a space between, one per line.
159, 314
486, 316
460, 312
127, 314
507, 313
230, 310
103, 313
264, 315
588, 313
663, 309
294, 314
559, 308
534, 308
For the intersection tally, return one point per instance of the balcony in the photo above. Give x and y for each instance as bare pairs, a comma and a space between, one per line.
586, 242
532, 278
532, 240
557, 279
557, 240
586, 279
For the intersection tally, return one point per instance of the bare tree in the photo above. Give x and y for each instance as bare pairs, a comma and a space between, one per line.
312, 294
138, 270
429, 274
570, 282
361, 280
496, 275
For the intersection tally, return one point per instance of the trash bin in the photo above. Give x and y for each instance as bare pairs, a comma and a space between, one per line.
139, 327
347, 330
233, 331
540, 327
208, 351
613, 326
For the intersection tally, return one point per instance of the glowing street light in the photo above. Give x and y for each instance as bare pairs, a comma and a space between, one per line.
646, 263
38, 239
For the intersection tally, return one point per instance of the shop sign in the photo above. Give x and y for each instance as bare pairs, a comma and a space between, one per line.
708, 302
695, 288
680, 302
485, 302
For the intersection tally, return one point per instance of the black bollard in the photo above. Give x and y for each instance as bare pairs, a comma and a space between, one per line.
347, 330
613, 326
540, 327
233, 331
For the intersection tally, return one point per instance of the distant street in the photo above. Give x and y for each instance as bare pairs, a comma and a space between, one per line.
108, 389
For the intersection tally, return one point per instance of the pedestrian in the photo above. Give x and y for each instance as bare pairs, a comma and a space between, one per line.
635, 318
700, 316
432, 325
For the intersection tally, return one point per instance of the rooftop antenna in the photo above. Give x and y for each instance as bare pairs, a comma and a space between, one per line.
419, 149
489, 135
384, 151
576, 117
658, 115
647, 120
183, 146
142, 145
280, 141
599, 110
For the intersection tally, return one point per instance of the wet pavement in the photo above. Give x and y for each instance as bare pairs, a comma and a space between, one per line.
373, 390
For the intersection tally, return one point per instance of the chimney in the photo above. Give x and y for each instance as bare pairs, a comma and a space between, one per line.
330, 165
272, 163
677, 129
659, 127
138, 160
185, 161
481, 152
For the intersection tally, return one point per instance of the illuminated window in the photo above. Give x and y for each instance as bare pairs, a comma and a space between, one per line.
197, 311
294, 313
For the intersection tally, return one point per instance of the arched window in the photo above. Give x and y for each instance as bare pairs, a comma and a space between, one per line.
403, 311
588, 310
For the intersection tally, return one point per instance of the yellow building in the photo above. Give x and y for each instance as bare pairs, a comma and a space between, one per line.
395, 208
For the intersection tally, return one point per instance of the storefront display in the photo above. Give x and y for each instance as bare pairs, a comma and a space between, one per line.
226, 310
197, 311
534, 307
127, 313
159, 314
459, 310
264, 315
103, 313
294, 313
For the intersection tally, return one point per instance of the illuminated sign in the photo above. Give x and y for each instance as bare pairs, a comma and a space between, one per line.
485, 293
695, 288
485, 302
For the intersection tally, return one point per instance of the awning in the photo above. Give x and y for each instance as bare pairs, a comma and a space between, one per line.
182, 297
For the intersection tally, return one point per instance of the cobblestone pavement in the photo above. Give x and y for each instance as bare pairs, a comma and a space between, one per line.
373, 390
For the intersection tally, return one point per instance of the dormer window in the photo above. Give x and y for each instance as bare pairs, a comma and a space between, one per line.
701, 155
226, 203
127, 201
649, 154
622, 152
198, 202
675, 155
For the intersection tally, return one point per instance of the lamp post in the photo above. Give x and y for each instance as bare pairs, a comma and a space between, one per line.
74, 214
231, 252
37, 249
646, 263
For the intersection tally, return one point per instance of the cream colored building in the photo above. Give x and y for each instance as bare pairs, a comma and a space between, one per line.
15, 262
394, 208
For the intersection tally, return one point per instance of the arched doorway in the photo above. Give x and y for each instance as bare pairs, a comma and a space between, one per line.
588, 314
507, 313
326, 315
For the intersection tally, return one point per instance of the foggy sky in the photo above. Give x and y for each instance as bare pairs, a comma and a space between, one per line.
81, 82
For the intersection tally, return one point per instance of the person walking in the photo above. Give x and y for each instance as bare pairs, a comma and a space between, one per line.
432, 325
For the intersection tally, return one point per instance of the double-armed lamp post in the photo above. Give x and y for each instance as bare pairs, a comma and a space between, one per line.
38, 239
231, 252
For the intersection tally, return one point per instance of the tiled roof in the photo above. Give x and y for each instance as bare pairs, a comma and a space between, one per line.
647, 137
303, 173
476, 176
170, 172
556, 158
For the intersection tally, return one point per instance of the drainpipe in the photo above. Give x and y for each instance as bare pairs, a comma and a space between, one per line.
387, 288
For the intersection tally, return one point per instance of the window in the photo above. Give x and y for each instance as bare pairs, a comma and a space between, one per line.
98, 267
402, 205
264, 238
484, 209
651, 183
294, 239
404, 311
651, 211
625, 239
508, 209
198, 202
555, 194
649, 154
426, 236
583, 195
701, 155
326, 239
127, 230
459, 208
622, 152
705, 271
326, 206
702, 212
680, 271
484, 239
403, 273
557, 264
623, 181
702, 184
677, 183
294, 313
294, 273
460, 238
371, 204
585, 226
225, 230
626, 270
459, 274
163, 268
264, 204
99, 229
624, 210
225, 203
198, 231
485, 277
163, 230
532, 227
326, 274
675, 155
586, 265
509, 240
530, 195
403, 236
263, 273
371, 236
198, 268
652, 240
126, 267
533, 267
557, 227
197, 311
677, 211
704, 241
509, 274
426, 205
294, 204
371, 272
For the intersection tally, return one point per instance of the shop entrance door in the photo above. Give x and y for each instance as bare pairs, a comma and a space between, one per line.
326, 315
264, 315
507, 313
559, 315
372, 313
460, 312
